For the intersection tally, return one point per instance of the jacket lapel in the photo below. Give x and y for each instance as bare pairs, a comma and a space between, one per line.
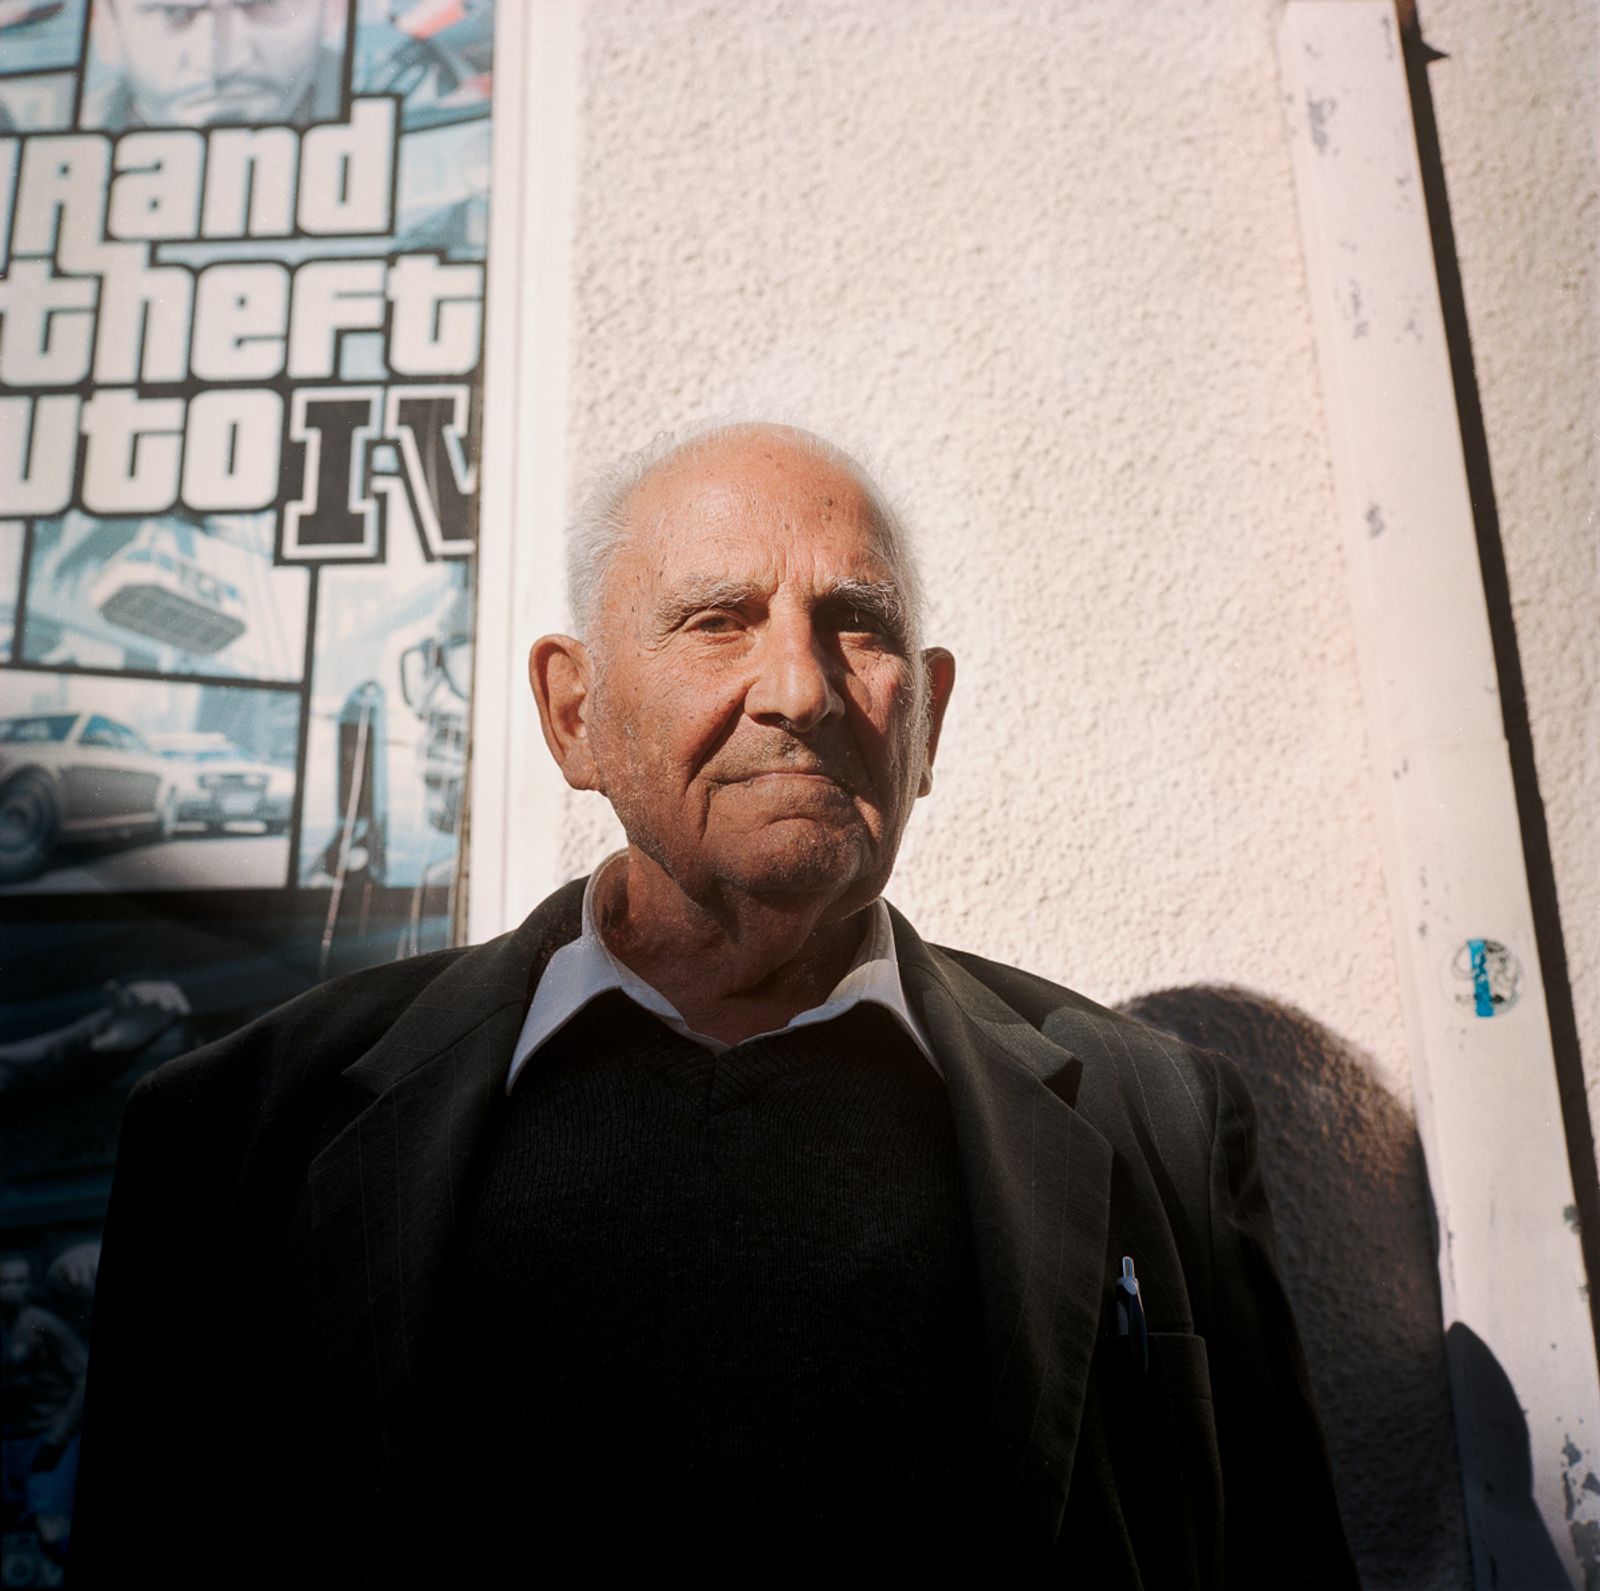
380, 1210
1038, 1179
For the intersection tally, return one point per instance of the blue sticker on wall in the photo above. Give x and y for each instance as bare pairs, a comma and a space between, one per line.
1487, 977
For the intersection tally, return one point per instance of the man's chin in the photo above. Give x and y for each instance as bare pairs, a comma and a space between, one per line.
801, 857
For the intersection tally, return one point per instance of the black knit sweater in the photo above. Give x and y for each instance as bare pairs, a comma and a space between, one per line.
713, 1312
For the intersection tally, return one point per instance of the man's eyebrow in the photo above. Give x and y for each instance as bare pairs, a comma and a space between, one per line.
881, 600
878, 600
684, 601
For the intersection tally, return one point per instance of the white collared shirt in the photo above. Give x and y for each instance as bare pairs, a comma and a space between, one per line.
583, 970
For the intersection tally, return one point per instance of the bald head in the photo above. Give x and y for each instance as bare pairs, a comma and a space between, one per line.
641, 491
748, 692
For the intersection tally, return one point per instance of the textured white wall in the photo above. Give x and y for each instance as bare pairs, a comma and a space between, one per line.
1042, 262
1039, 260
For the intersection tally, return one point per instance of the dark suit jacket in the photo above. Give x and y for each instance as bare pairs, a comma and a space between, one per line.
284, 1207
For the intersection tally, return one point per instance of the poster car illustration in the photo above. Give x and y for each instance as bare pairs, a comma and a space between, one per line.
74, 776
215, 783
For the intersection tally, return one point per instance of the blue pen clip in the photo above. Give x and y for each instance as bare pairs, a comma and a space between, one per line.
1130, 1316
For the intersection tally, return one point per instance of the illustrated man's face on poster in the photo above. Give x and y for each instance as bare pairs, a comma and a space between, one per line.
196, 63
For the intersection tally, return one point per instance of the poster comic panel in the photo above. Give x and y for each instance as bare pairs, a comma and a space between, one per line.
167, 593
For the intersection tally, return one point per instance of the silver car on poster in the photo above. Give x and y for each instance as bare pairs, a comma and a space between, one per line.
75, 776
216, 783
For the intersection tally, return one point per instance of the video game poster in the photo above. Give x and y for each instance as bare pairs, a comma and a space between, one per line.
243, 247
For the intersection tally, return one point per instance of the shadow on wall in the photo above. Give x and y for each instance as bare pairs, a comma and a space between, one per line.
1357, 1249
1504, 1462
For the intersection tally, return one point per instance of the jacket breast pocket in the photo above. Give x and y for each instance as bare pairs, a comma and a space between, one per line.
1161, 1437
1179, 1367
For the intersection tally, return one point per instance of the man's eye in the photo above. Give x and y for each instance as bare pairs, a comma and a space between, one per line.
713, 623
865, 623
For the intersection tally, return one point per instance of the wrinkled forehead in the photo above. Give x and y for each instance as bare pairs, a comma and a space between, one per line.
770, 516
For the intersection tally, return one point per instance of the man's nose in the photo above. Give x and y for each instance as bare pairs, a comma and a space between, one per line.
794, 680
196, 45
227, 40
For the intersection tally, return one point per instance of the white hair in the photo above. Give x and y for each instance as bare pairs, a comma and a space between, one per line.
604, 521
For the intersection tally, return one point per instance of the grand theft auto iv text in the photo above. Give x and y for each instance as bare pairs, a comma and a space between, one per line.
131, 384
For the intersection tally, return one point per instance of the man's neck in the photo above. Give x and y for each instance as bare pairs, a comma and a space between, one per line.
748, 967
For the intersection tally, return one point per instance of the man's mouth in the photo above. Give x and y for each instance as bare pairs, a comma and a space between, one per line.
794, 792
810, 776
231, 91
806, 769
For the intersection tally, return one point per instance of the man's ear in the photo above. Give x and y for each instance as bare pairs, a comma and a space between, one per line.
561, 673
939, 670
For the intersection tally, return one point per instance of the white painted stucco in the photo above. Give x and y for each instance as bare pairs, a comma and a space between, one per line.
1043, 266
1039, 262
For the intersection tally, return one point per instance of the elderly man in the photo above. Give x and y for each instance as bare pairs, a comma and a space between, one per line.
711, 1221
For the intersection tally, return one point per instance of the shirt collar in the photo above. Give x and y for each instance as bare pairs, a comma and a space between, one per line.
583, 970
